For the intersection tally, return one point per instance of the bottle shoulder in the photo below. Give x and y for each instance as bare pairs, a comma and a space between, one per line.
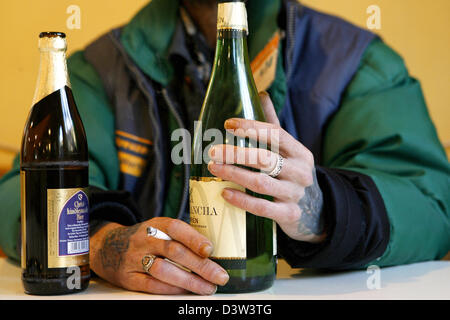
54, 130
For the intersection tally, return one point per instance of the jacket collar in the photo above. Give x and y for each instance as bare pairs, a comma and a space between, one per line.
148, 36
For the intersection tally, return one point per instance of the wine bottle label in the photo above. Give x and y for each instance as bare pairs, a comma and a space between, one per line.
232, 15
68, 227
222, 223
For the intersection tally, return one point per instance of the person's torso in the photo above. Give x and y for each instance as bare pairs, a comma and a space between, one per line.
319, 55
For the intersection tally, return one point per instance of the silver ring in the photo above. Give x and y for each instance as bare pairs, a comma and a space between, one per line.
158, 234
147, 262
276, 171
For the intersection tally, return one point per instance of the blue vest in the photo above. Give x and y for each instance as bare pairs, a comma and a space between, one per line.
325, 55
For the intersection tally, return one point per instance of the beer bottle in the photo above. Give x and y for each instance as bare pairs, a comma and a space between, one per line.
54, 181
244, 244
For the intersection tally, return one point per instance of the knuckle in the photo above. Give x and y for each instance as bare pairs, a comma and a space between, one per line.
172, 225
191, 283
307, 178
284, 135
299, 193
292, 214
259, 185
309, 158
294, 195
304, 177
245, 202
205, 268
175, 250
263, 185
262, 209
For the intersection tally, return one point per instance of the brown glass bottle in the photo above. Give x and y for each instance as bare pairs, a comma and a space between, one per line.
54, 182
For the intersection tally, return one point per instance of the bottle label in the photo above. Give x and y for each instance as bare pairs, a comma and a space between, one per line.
68, 227
232, 15
222, 223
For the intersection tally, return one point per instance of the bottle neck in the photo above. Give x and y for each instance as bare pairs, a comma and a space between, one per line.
232, 30
231, 49
53, 73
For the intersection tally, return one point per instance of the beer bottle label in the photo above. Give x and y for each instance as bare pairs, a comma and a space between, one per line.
68, 227
222, 223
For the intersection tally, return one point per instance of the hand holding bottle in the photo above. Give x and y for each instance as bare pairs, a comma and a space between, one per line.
298, 201
117, 256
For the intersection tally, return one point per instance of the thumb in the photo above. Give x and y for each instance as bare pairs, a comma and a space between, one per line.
268, 108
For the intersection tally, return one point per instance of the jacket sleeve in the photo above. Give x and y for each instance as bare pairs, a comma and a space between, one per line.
385, 175
10, 211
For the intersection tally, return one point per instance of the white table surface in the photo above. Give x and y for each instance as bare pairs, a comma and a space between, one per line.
426, 280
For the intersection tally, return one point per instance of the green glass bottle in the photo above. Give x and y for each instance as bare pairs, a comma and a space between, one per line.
244, 244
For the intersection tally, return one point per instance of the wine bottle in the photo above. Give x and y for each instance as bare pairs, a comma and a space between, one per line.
54, 181
244, 244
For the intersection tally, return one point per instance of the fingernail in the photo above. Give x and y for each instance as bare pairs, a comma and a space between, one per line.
231, 124
206, 250
208, 290
263, 93
215, 290
226, 193
210, 166
223, 278
212, 152
213, 166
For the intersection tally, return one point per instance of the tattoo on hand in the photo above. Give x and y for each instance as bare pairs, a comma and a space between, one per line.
311, 220
115, 245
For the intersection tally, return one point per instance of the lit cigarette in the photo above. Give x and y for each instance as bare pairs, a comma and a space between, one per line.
158, 234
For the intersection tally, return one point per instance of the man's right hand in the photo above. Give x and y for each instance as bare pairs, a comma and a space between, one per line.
116, 254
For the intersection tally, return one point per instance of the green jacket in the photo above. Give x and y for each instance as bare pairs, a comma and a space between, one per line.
382, 130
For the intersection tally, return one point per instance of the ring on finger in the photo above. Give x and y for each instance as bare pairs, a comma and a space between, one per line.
147, 262
279, 165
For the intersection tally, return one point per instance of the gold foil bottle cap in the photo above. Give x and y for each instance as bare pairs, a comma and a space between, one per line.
52, 41
52, 68
232, 15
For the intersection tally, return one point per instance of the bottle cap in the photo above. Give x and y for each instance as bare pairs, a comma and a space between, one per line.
232, 15
55, 41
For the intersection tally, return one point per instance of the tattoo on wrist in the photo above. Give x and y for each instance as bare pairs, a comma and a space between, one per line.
311, 219
115, 244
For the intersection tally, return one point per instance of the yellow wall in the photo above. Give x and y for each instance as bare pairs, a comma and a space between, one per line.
420, 31
417, 29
